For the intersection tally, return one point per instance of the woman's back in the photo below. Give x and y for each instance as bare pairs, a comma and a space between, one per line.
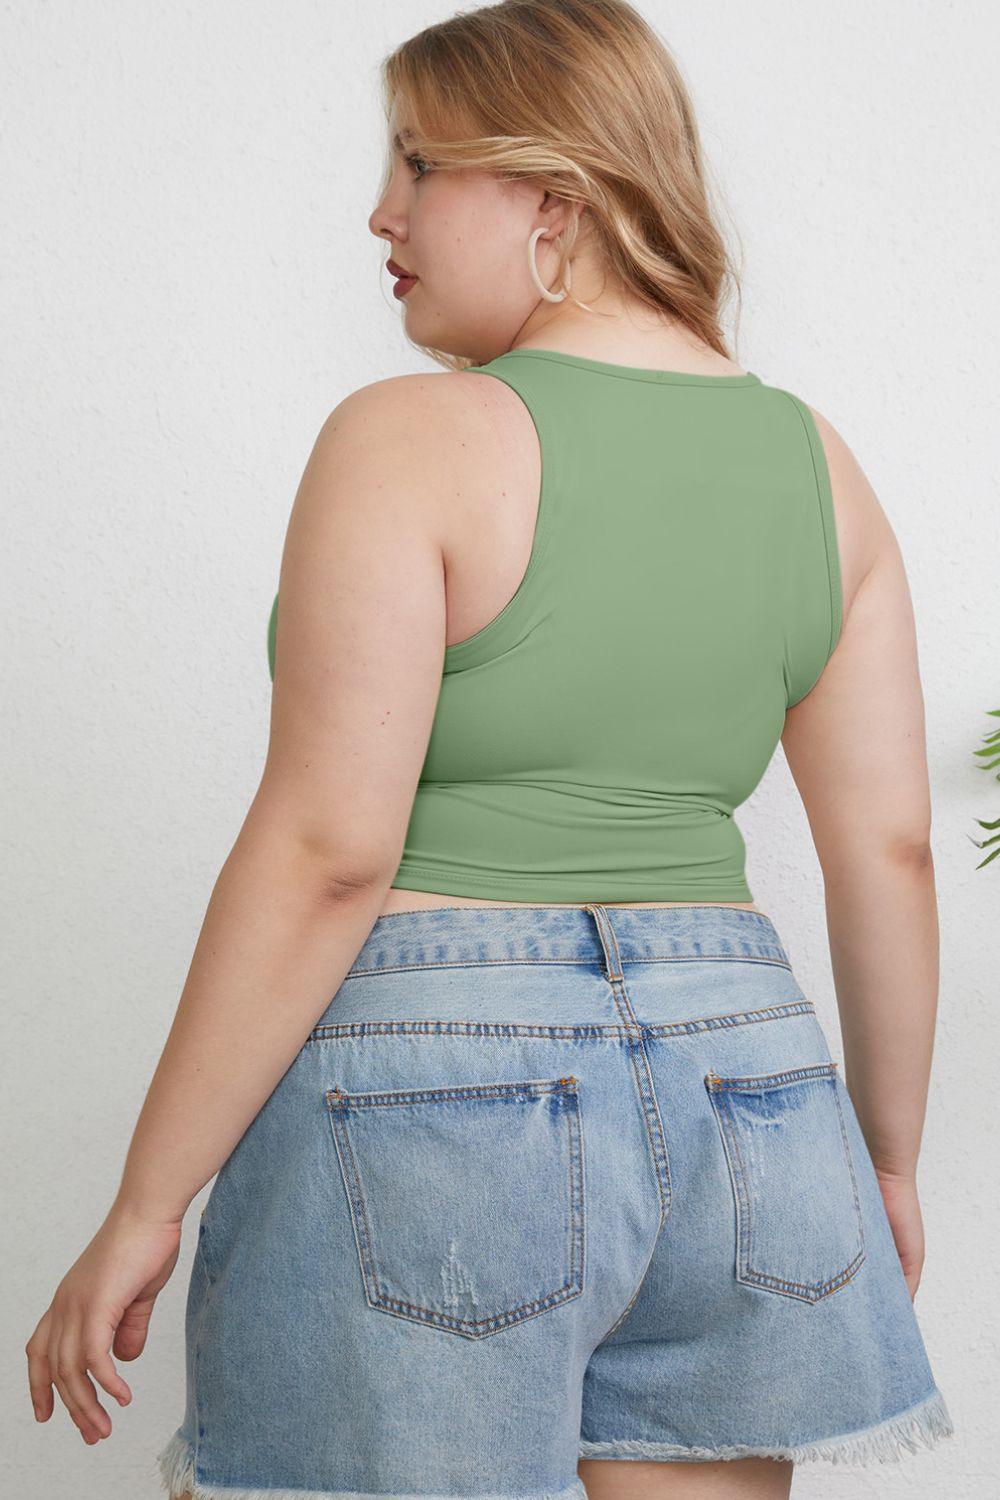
681, 591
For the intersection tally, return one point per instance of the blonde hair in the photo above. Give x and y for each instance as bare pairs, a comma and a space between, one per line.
583, 97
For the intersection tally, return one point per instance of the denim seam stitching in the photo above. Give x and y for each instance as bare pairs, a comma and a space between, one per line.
665, 1195
754, 1082
530, 1088
356, 1202
639, 1059
491, 963
636, 1043
850, 1165
496, 1030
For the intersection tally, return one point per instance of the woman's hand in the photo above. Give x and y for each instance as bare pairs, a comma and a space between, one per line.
107, 1294
899, 1194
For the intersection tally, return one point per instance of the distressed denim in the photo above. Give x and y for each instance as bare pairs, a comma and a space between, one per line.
545, 1184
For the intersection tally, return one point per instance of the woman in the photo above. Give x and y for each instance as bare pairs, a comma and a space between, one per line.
564, 1174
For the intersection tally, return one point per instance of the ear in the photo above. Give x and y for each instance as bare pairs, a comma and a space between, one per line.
560, 213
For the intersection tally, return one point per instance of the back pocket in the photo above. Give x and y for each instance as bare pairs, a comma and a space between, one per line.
466, 1201
798, 1217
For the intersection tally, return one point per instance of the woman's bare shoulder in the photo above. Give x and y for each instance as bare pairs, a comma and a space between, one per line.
434, 396
445, 417
453, 436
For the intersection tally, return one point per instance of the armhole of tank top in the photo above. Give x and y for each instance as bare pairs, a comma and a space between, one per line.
501, 633
828, 520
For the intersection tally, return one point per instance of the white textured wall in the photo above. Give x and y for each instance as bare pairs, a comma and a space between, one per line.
188, 287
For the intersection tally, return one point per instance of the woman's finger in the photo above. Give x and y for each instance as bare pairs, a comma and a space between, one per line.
76, 1388
86, 1429
39, 1374
97, 1346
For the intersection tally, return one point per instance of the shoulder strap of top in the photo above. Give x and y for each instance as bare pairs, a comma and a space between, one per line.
534, 386
826, 518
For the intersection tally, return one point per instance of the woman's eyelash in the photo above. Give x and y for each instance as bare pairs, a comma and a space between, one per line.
411, 161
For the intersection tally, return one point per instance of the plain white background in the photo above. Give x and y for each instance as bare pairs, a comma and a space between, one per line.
188, 288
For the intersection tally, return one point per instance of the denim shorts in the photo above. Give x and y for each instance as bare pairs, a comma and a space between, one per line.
542, 1184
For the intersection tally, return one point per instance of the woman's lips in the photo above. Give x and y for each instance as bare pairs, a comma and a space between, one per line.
404, 280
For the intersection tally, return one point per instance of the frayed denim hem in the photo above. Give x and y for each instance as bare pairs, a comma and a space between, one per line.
176, 1466
922, 1425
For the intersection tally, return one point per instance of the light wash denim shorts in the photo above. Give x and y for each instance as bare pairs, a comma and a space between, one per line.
542, 1184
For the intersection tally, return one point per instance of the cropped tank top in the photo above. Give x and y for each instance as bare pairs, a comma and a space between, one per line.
593, 740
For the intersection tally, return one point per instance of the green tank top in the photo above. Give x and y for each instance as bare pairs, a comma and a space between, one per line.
592, 741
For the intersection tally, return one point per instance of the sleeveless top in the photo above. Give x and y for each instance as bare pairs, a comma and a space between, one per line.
591, 742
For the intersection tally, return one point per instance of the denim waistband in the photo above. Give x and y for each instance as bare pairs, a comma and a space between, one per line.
607, 935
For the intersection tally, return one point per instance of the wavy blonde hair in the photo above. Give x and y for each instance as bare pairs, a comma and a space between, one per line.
583, 97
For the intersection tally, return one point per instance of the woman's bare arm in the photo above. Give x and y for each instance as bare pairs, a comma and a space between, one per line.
358, 663
360, 646
856, 749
